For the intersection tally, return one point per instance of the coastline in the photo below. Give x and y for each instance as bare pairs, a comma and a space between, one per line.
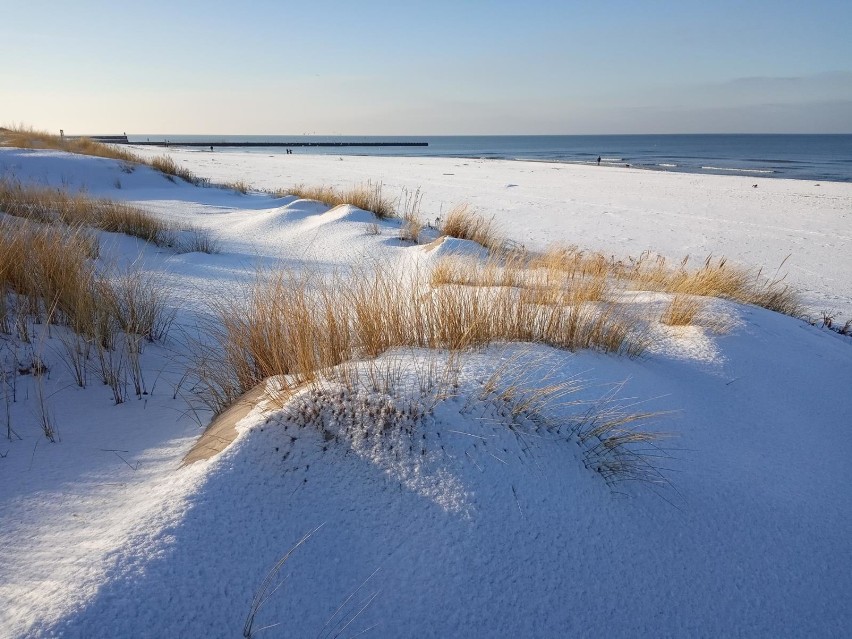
802, 157
620, 211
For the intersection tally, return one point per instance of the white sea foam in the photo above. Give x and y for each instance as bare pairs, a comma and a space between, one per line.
725, 168
665, 164
612, 159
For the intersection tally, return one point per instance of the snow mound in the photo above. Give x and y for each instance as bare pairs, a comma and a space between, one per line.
430, 477
94, 175
446, 246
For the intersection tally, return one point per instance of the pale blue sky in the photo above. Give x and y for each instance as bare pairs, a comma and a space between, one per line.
421, 68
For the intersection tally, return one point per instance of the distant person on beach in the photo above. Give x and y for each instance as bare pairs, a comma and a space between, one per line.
599, 160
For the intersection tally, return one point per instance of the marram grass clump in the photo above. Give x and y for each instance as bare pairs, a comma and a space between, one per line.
464, 223
166, 165
51, 206
28, 138
297, 323
367, 196
48, 205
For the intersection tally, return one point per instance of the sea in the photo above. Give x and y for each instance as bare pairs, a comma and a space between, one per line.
803, 157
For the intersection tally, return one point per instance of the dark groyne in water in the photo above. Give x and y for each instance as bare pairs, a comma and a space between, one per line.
291, 144
122, 139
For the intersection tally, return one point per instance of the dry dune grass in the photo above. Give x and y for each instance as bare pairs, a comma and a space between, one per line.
296, 324
539, 281
166, 165
241, 186
51, 271
591, 275
567, 270
570, 259
715, 278
506, 270
683, 310
139, 304
48, 268
367, 197
597, 295
465, 224
412, 226
28, 138
48, 205
48, 276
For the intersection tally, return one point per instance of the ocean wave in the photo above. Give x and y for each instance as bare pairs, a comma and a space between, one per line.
725, 168
666, 164
612, 159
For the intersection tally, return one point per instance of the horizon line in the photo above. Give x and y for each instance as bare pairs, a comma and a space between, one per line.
448, 135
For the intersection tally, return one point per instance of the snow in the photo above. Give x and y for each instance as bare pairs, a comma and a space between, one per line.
619, 211
467, 522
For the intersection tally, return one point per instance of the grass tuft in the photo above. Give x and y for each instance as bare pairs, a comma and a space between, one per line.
367, 197
166, 165
295, 323
52, 206
715, 278
463, 223
241, 186
196, 239
683, 310
614, 439
29, 138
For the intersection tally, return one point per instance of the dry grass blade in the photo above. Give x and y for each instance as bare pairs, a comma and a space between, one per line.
266, 589
617, 445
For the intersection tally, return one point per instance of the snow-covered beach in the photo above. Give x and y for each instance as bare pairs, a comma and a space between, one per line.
795, 227
469, 525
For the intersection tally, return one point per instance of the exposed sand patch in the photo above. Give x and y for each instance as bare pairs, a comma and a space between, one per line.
222, 430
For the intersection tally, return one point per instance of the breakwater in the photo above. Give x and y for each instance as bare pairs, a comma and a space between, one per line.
215, 143
122, 139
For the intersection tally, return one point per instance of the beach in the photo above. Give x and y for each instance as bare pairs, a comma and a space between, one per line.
625, 473
797, 229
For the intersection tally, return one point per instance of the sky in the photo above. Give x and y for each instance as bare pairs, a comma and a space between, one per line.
426, 68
